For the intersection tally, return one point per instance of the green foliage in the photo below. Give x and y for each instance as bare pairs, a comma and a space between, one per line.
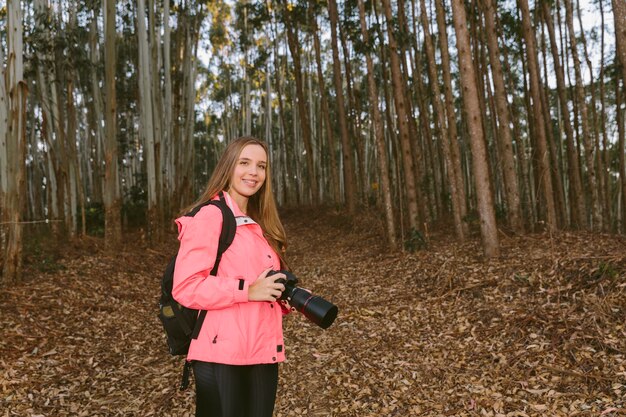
415, 241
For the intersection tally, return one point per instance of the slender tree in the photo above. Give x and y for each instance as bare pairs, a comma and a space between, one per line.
590, 150
403, 119
619, 20
112, 200
455, 152
147, 125
294, 48
484, 196
12, 145
544, 173
577, 204
504, 137
379, 134
442, 122
330, 136
348, 165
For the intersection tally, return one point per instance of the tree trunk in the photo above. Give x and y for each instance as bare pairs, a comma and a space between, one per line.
96, 107
112, 201
348, 165
403, 121
167, 165
294, 48
443, 128
584, 120
619, 20
330, 137
543, 156
504, 137
621, 149
488, 228
147, 122
380, 135
455, 152
12, 146
577, 204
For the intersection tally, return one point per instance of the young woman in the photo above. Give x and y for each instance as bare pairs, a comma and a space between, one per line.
235, 357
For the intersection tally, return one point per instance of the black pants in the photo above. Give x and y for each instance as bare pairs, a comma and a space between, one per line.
235, 391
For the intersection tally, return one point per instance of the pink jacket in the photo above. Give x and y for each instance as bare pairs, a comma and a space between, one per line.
235, 331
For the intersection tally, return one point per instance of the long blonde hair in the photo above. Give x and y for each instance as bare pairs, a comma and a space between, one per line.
261, 206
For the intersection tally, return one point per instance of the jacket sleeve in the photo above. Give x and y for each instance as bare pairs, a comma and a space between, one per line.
193, 286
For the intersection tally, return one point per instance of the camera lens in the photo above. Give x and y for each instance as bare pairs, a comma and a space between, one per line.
314, 307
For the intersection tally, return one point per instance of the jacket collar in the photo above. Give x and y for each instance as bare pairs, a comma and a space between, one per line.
233, 206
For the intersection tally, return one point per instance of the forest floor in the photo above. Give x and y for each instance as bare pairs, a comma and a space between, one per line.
540, 331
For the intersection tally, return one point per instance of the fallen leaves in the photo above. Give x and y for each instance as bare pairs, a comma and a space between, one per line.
440, 332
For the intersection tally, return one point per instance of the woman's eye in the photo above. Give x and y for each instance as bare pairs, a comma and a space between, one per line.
262, 167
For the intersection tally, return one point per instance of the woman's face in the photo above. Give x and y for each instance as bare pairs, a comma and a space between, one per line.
249, 173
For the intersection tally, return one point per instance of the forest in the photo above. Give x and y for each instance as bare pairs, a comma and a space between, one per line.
474, 147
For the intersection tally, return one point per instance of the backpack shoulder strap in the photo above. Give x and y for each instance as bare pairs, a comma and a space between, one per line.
229, 228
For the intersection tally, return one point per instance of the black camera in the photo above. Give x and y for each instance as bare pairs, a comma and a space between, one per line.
314, 307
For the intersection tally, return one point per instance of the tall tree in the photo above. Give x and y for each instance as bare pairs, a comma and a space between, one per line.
294, 48
379, 134
146, 112
619, 20
505, 140
543, 156
590, 150
112, 200
330, 136
450, 110
621, 148
403, 119
12, 144
484, 196
348, 164
577, 204
441, 120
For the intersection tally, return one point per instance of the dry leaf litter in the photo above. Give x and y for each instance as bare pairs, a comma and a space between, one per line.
540, 331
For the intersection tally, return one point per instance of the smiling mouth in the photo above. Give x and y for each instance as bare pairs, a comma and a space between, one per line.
250, 183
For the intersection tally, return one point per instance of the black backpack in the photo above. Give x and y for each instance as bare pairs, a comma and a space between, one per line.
183, 324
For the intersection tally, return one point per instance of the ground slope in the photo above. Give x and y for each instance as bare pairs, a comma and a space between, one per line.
439, 332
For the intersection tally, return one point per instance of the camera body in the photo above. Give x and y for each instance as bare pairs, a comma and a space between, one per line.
314, 307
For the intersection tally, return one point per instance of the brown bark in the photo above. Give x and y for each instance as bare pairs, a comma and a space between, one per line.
112, 202
577, 204
455, 152
330, 137
403, 122
294, 48
590, 150
505, 140
488, 228
355, 122
621, 148
543, 168
619, 20
379, 136
443, 128
13, 147
348, 165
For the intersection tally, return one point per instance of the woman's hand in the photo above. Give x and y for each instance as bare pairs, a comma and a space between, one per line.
265, 288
